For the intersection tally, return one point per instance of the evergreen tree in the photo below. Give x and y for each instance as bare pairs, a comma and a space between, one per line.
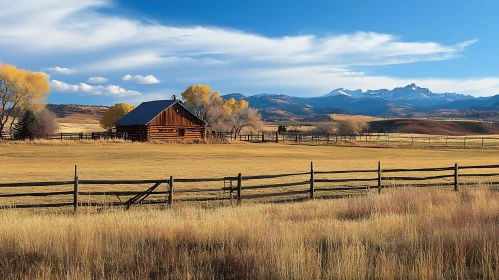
23, 129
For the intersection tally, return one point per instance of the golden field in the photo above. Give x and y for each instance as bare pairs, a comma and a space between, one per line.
408, 233
405, 234
55, 160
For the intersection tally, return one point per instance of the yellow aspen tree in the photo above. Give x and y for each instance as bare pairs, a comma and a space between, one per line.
20, 90
114, 113
200, 98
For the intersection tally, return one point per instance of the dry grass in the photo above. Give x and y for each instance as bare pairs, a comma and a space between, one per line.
112, 160
340, 117
406, 234
72, 127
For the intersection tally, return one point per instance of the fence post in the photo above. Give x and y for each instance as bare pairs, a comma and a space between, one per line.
231, 191
482, 142
456, 178
465, 141
277, 137
312, 189
263, 136
170, 191
379, 177
61, 136
75, 191
239, 184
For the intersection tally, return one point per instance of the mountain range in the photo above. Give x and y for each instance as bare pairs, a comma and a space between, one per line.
399, 101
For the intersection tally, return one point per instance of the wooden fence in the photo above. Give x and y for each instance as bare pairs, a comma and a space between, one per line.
379, 138
77, 136
295, 186
399, 139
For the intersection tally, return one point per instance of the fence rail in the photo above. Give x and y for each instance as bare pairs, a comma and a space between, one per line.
377, 138
399, 139
237, 188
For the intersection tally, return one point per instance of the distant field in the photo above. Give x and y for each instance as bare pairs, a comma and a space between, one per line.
76, 125
24, 162
424, 126
78, 118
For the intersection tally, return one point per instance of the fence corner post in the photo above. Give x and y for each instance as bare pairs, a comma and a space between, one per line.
456, 177
312, 189
379, 177
170, 191
75, 191
239, 185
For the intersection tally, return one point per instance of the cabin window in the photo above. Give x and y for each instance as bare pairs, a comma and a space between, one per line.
181, 132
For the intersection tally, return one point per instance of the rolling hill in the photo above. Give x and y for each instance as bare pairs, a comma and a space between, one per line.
422, 126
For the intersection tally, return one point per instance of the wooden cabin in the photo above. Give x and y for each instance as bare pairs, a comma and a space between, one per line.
161, 120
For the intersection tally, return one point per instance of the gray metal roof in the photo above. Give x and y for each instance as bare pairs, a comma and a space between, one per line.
145, 112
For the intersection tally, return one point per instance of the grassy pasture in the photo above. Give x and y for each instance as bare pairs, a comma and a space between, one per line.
54, 160
77, 125
405, 234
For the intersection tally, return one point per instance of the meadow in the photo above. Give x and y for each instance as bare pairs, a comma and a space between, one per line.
55, 161
404, 234
409, 233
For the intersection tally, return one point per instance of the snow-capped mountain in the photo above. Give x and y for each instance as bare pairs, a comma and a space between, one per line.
409, 92
345, 92
383, 102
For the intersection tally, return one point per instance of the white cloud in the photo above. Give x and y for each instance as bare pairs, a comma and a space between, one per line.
60, 70
97, 90
109, 90
119, 91
56, 85
97, 80
109, 42
143, 80
77, 26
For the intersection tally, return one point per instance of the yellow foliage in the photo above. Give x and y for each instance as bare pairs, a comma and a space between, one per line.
197, 94
199, 98
232, 106
114, 113
20, 90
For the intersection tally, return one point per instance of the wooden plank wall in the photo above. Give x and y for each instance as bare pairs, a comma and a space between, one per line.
176, 115
171, 132
174, 123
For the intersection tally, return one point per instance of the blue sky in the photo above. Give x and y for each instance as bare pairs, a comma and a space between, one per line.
104, 51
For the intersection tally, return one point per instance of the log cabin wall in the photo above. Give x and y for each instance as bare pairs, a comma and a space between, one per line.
176, 115
173, 123
175, 132
176, 123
